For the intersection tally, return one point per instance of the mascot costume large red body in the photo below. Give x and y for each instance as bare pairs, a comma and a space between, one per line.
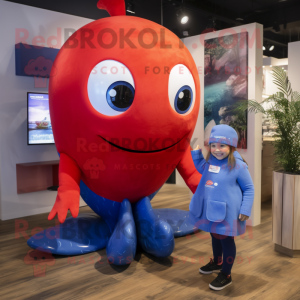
124, 102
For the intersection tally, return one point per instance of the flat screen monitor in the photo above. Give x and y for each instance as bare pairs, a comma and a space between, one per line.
39, 128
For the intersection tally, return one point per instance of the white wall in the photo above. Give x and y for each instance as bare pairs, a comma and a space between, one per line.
294, 65
255, 59
271, 88
13, 106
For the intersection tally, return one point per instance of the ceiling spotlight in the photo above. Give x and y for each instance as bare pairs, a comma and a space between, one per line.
182, 16
184, 19
239, 19
130, 8
270, 66
268, 47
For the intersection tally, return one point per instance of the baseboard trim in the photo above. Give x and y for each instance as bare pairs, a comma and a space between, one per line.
286, 251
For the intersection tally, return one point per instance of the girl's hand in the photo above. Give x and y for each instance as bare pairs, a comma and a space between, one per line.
243, 217
197, 148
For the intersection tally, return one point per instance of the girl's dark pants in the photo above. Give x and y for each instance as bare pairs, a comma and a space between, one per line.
225, 245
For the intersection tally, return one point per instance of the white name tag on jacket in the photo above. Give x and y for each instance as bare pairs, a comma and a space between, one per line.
214, 169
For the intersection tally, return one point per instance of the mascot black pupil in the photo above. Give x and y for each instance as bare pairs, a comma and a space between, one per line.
123, 97
184, 100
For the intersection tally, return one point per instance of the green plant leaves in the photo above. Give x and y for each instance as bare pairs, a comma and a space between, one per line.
284, 112
250, 105
282, 81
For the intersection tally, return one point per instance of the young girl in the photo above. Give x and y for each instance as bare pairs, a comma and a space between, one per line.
223, 200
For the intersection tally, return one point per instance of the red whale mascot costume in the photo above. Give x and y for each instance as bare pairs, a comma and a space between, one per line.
124, 103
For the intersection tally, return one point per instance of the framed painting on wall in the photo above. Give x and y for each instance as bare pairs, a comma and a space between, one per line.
225, 83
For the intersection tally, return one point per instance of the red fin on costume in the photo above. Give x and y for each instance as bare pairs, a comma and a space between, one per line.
113, 7
187, 170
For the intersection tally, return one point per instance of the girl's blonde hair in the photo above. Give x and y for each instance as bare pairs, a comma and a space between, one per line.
231, 158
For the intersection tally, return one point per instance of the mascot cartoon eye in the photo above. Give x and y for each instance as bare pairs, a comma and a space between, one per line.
181, 89
120, 95
111, 88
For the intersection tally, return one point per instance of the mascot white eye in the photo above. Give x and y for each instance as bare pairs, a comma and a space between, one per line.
111, 88
181, 89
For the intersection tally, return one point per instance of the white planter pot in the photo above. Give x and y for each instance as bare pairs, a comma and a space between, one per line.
286, 213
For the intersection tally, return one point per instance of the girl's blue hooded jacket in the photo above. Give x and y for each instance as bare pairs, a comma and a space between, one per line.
221, 197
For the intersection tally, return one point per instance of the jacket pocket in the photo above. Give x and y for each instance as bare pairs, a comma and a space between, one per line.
215, 211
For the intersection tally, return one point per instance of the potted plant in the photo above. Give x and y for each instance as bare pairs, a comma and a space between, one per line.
283, 109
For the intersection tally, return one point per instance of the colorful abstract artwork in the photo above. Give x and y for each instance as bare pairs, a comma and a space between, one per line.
225, 83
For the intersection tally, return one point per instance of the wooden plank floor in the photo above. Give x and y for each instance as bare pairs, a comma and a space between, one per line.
259, 271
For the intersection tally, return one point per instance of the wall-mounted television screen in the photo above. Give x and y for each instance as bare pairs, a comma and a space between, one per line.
38, 118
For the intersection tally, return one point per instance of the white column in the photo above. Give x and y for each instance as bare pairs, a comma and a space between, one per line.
294, 65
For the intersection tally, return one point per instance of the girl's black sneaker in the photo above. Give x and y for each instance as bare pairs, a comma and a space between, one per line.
220, 282
211, 267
